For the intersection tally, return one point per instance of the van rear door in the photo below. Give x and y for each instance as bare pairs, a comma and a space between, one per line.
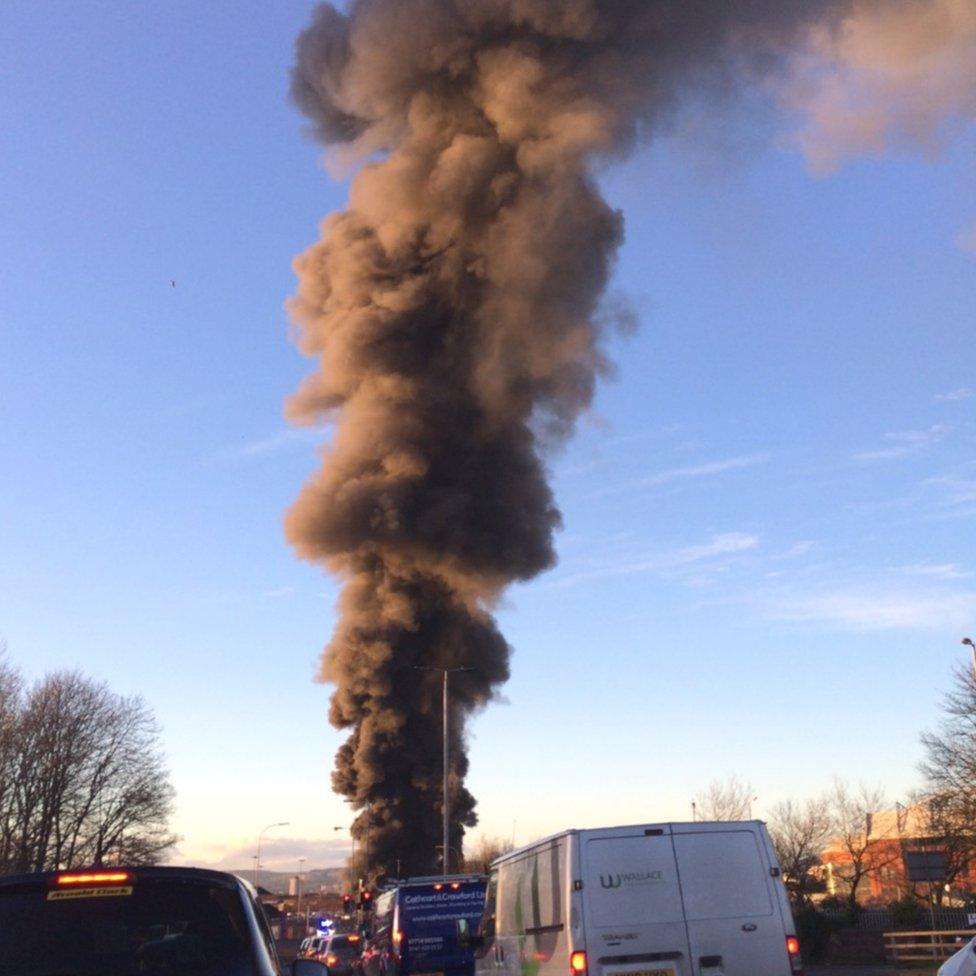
734, 924
634, 920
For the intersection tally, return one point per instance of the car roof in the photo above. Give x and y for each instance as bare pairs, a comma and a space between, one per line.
138, 873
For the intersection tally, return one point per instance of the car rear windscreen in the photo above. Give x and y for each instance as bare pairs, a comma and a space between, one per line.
144, 928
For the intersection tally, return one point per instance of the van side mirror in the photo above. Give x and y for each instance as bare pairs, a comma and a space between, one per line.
465, 938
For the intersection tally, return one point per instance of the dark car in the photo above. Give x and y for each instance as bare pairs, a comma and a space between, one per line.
149, 921
341, 954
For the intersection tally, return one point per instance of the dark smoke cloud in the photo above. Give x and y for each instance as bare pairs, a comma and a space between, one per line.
455, 309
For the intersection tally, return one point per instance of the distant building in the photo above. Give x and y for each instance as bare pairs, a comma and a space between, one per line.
888, 836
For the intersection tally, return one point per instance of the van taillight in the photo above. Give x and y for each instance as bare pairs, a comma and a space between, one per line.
577, 963
793, 950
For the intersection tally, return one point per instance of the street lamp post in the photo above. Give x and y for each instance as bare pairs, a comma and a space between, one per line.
968, 641
257, 863
352, 852
298, 907
446, 806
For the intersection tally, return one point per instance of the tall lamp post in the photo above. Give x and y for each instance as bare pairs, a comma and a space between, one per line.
257, 862
968, 641
447, 800
352, 852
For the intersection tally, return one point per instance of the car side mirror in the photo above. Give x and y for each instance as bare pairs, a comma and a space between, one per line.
309, 967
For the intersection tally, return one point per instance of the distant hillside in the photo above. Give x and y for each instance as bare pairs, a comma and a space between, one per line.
277, 881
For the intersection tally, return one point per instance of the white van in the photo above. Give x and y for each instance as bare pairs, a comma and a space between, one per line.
680, 899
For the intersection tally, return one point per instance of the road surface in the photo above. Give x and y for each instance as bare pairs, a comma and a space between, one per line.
867, 971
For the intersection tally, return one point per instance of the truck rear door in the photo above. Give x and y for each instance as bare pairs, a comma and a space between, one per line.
634, 920
734, 925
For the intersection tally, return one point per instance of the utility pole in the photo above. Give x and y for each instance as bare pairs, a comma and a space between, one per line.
298, 907
446, 806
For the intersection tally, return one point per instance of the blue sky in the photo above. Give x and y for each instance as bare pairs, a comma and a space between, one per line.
767, 558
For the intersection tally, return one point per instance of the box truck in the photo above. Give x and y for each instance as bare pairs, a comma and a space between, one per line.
673, 899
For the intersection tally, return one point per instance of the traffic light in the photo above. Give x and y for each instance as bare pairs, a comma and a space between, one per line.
366, 899
347, 904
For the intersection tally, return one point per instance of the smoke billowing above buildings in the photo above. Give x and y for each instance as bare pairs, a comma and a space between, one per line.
455, 307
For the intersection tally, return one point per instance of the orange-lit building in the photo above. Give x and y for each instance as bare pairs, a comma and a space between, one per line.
889, 834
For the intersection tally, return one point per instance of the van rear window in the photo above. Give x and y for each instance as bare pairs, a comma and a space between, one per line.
723, 875
632, 881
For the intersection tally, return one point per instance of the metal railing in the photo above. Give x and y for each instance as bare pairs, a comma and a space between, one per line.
882, 919
925, 945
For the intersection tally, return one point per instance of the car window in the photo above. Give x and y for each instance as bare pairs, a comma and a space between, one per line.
153, 927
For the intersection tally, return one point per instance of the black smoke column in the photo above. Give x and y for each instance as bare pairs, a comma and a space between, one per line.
454, 310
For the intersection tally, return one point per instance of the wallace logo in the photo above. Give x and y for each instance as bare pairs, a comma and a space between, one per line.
631, 878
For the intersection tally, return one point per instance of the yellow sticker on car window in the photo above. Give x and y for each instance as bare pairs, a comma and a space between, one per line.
115, 891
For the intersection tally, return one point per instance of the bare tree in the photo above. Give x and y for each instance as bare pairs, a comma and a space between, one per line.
949, 769
800, 833
728, 799
85, 783
949, 766
479, 859
11, 688
866, 843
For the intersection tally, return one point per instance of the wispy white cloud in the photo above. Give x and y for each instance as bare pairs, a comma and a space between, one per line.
942, 571
280, 441
276, 443
652, 433
953, 396
706, 470
279, 592
800, 548
957, 489
905, 442
878, 609
719, 547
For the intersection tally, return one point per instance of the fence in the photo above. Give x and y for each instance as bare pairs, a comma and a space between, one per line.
882, 920
925, 946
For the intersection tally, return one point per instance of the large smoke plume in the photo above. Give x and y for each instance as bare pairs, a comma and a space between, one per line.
456, 309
